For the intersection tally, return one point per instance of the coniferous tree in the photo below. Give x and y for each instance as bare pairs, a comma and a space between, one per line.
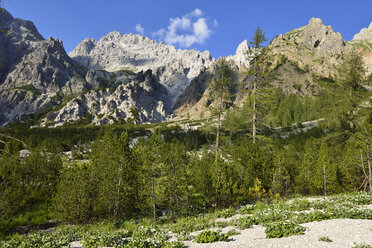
325, 178
220, 92
258, 69
116, 169
76, 195
352, 75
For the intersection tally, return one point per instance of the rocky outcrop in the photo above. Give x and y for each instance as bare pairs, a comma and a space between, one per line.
144, 94
364, 34
362, 42
37, 76
243, 55
31, 69
314, 47
115, 51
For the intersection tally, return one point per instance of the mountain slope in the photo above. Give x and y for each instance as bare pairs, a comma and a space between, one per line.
115, 51
31, 69
362, 42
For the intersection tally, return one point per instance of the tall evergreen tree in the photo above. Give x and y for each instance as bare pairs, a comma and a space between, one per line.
258, 68
116, 169
220, 92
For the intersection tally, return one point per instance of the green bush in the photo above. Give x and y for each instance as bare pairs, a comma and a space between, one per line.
283, 229
209, 236
247, 209
151, 244
225, 213
245, 222
325, 239
92, 240
362, 246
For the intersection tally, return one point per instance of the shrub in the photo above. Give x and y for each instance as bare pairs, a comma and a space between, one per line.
247, 209
225, 213
325, 239
244, 223
209, 236
283, 229
361, 246
92, 240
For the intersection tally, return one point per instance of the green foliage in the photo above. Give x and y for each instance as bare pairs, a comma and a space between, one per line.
29, 88
110, 83
99, 239
27, 182
208, 236
225, 213
325, 239
76, 193
361, 246
245, 222
258, 38
283, 229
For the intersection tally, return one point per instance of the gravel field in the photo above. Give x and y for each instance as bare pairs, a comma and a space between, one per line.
342, 232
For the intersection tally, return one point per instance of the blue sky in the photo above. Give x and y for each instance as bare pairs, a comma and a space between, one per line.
217, 26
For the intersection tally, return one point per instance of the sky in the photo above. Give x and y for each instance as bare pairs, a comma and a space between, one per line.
214, 25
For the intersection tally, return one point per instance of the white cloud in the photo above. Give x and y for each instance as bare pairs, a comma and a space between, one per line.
187, 30
159, 34
195, 13
139, 28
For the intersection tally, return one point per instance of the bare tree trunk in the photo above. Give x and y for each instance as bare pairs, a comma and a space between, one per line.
218, 127
369, 171
116, 210
324, 180
187, 188
254, 118
153, 194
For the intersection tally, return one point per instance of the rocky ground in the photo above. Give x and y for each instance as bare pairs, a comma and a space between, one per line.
342, 232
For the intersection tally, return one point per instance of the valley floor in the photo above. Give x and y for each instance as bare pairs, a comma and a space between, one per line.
343, 233
343, 220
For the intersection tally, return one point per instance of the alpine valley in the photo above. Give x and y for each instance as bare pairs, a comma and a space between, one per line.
128, 142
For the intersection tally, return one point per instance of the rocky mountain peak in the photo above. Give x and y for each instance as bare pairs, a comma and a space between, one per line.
314, 36
19, 30
115, 51
315, 22
364, 34
243, 55
31, 69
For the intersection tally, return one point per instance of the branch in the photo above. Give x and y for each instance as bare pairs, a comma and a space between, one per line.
10, 137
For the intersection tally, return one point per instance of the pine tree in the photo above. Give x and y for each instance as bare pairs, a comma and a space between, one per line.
352, 75
116, 169
325, 177
258, 69
220, 92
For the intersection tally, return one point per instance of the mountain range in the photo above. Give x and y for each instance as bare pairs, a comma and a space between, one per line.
124, 77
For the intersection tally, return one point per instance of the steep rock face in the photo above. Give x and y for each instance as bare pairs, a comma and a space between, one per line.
144, 94
31, 69
115, 51
314, 47
362, 42
243, 55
